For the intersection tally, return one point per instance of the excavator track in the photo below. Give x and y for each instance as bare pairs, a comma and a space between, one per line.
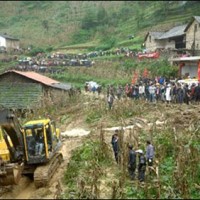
43, 174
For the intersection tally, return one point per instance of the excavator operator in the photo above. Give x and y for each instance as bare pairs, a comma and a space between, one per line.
39, 143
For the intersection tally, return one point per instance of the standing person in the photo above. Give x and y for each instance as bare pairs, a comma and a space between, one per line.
187, 94
174, 93
99, 89
180, 93
113, 138
152, 92
93, 89
119, 92
162, 93
141, 165
115, 145
39, 143
197, 93
136, 92
112, 90
86, 87
131, 162
127, 90
192, 97
149, 153
158, 91
168, 93
110, 101
141, 91
108, 90
147, 92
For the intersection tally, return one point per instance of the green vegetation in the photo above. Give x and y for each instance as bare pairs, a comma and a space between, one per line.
68, 23
116, 70
86, 168
87, 26
176, 167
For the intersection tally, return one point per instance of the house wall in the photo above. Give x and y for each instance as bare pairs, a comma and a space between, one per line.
35, 93
55, 96
191, 35
159, 44
13, 77
2, 41
191, 68
12, 44
151, 44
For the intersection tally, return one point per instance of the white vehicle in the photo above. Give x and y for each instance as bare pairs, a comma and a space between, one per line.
189, 82
92, 84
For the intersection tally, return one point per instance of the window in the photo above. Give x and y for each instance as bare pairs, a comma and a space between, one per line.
197, 46
184, 39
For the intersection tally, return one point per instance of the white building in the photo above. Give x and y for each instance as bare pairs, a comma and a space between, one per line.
9, 42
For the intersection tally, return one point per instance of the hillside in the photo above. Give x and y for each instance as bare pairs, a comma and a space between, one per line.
93, 23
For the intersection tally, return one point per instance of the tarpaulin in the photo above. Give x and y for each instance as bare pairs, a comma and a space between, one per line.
135, 77
145, 73
181, 65
199, 71
149, 55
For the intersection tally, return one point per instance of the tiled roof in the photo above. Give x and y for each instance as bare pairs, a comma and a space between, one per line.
62, 86
156, 35
35, 76
43, 79
197, 18
8, 37
174, 32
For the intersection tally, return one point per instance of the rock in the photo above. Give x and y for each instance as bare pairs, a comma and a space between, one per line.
75, 133
159, 122
138, 125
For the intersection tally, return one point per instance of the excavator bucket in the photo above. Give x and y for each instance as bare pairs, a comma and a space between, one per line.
10, 174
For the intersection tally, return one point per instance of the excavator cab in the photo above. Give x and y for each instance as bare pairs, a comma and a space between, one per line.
41, 140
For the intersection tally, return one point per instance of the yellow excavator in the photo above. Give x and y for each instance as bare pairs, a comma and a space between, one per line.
32, 149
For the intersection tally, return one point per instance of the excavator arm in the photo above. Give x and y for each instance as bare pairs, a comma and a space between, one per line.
10, 173
12, 128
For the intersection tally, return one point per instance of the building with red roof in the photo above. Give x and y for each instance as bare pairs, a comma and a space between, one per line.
24, 90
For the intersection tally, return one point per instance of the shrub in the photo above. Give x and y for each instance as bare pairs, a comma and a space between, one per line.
36, 50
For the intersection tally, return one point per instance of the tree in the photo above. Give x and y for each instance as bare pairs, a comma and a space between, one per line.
89, 20
102, 16
126, 11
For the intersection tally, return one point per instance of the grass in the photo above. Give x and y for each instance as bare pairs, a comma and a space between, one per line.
21, 18
114, 70
85, 169
166, 182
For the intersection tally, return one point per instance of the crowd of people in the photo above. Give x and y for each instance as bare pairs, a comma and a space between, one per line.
43, 62
158, 90
134, 163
